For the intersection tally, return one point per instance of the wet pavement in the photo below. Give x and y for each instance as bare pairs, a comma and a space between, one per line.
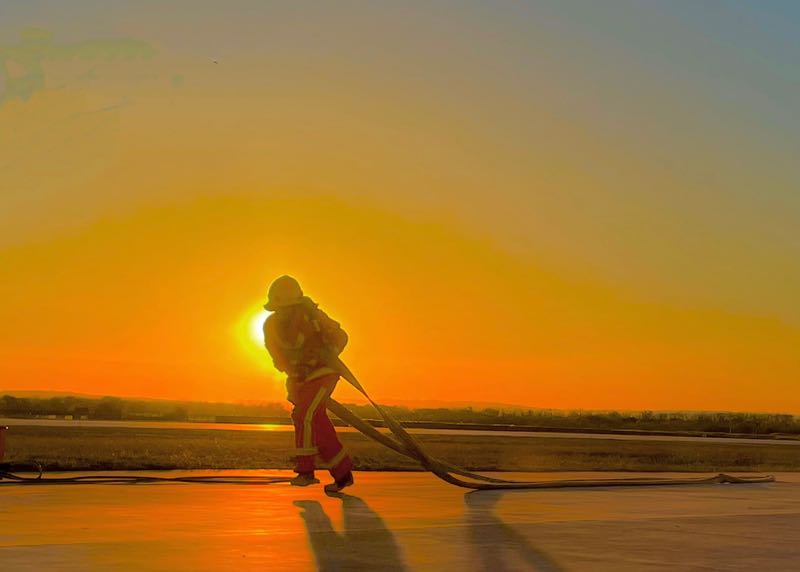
400, 521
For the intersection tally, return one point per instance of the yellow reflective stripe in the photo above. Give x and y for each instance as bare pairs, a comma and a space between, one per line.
338, 458
310, 415
305, 451
322, 464
320, 372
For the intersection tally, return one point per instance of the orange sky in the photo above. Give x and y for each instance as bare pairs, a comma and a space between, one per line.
158, 303
464, 216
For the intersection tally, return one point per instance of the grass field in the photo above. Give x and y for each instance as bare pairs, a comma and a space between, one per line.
81, 448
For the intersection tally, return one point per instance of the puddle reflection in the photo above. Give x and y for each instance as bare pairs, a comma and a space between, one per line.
365, 544
496, 545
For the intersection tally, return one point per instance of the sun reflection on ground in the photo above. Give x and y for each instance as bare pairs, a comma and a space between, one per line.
274, 427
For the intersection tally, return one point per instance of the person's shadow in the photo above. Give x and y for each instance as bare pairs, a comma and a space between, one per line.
365, 544
495, 543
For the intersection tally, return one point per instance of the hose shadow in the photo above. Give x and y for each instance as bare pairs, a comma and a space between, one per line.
496, 545
365, 544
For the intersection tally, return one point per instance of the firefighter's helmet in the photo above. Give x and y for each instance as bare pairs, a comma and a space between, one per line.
284, 291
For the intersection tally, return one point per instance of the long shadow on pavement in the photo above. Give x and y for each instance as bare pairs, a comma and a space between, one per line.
365, 544
496, 544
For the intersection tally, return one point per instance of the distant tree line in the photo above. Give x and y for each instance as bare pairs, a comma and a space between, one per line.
115, 408
721, 422
131, 409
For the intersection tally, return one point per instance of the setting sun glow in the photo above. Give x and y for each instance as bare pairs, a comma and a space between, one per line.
256, 325
542, 205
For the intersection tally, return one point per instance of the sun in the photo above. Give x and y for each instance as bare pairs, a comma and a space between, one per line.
255, 327
249, 335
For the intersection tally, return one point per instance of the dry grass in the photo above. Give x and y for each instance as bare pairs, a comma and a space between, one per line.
80, 448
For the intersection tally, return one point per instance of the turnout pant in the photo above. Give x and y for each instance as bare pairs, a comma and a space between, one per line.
315, 438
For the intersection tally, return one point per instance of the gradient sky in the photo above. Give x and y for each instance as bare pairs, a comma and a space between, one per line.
555, 204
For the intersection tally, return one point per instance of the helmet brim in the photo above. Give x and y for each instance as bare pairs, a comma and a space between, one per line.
272, 306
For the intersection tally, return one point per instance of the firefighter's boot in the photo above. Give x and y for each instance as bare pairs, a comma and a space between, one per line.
337, 485
304, 479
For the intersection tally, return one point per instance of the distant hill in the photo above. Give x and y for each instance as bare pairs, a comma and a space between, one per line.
33, 404
47, 394
409, 403
438, 404
206, 407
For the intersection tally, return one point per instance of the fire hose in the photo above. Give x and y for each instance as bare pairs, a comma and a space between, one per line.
407, 445
400, 441
10, 475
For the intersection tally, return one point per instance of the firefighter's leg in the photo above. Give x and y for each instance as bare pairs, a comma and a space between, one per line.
307, 399
331, 451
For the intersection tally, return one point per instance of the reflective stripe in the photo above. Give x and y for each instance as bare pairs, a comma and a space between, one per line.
321, 463
307, 441
338, 458
320, 372
306, 451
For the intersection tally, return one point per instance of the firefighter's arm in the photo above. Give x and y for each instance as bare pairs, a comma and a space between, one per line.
273, 345
334, 334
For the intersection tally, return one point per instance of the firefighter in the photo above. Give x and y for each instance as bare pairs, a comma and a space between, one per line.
301, 339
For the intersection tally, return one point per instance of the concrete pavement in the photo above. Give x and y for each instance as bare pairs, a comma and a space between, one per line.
400, 521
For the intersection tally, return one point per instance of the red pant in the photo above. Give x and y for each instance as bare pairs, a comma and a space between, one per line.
314, 435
